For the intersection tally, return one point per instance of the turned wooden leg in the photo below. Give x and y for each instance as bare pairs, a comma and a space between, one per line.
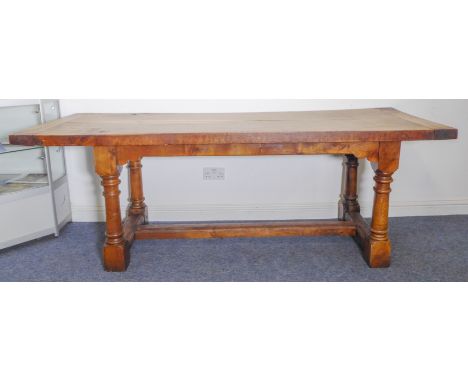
136, 200
378, 247
349, 201
116, 255
116, 251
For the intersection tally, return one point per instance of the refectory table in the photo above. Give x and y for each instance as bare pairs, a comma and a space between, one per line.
119, 139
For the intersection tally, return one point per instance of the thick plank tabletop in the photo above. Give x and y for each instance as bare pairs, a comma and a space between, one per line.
383, 124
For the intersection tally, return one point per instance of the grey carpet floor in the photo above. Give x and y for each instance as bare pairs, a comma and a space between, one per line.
424, 249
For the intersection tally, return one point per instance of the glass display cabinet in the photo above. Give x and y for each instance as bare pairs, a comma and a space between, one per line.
34, 197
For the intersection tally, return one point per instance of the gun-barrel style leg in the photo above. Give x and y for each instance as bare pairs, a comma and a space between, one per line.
349, 198
378, 247
137, 204
116, 255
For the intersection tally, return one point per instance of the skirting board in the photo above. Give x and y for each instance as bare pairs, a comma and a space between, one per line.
276, 211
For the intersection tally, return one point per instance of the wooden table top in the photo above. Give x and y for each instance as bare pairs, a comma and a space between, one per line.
383, 124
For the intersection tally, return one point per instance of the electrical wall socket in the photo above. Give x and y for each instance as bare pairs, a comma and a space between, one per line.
213, 173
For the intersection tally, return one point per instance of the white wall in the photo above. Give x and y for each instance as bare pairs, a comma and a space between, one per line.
432, 178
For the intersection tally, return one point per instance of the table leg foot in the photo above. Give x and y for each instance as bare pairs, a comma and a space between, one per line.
378, 254
116, 257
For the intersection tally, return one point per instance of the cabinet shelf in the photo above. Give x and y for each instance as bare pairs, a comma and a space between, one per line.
8, 149
20, 182
10, 188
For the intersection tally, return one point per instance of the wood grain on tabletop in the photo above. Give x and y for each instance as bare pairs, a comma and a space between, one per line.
114, 129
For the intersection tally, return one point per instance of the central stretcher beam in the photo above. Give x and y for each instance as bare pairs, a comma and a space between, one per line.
245, 229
